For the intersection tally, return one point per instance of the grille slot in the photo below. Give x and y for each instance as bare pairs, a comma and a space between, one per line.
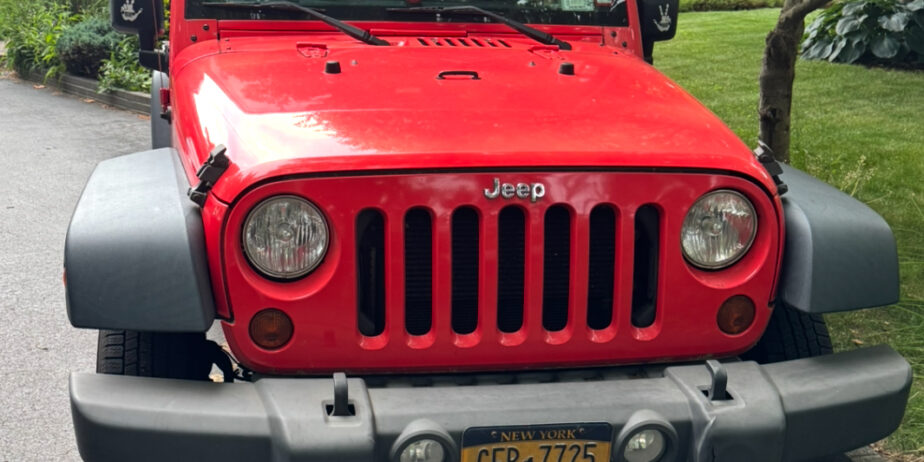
370, 272
465, 257
645, 267
601, 267
418, 271
556, 268
511, 268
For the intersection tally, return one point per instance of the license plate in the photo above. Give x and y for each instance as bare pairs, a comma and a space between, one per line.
585, 442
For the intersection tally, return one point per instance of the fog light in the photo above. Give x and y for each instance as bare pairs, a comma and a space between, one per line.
645, 446
271, 329
423, 450
736, 315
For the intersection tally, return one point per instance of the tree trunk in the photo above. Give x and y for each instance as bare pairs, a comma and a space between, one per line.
778, 72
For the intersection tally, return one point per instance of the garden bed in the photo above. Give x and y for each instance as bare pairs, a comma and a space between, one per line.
87, 88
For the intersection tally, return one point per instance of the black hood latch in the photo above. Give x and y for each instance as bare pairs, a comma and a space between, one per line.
765, 157
208, 174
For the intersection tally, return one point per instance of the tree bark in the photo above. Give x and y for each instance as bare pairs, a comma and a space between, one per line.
778, 73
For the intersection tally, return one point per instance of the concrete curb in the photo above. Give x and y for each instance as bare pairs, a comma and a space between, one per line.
87, 88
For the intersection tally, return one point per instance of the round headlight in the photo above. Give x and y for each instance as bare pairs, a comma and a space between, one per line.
285, 237
718, 230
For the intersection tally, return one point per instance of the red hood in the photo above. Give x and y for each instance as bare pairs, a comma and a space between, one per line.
270, 102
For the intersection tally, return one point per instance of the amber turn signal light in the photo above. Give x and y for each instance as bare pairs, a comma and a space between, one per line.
736, 315
271, 329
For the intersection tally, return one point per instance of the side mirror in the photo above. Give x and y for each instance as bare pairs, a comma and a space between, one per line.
144, 18
658, 19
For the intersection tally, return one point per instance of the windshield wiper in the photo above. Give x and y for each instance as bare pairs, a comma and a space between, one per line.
353, 31
530, 32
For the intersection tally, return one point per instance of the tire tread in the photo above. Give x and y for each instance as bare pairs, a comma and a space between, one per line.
147, 354
791, 334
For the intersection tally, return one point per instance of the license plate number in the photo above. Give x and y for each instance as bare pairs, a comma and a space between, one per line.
586, 442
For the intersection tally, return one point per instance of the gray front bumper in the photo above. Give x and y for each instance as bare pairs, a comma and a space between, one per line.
795, 410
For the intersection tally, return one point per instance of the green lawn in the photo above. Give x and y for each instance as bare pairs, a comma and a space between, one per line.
859, 129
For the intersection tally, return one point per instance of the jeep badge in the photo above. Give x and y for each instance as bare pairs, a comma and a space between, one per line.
533, 191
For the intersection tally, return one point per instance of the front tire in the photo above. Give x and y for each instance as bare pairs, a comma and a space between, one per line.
153, 354
791, 334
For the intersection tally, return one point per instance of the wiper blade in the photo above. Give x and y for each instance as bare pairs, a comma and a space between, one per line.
535, 34
353, 31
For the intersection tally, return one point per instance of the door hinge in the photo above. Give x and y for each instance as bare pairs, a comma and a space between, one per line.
208, 174
165, 112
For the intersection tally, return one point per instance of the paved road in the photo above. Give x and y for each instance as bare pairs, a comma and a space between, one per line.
49, 144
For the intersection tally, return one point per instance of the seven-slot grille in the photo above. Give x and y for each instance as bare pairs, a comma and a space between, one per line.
511, 245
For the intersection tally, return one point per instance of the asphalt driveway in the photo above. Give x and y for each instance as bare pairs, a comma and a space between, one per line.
49, 144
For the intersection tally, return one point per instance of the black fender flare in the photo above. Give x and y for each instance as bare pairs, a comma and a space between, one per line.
135, 254
839, 254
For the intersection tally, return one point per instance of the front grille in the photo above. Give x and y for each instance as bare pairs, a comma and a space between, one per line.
426, 273
465, 230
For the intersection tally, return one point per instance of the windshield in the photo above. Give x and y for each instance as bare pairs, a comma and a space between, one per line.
565, 12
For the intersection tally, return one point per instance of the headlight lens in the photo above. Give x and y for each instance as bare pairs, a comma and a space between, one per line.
285, 237
719, 229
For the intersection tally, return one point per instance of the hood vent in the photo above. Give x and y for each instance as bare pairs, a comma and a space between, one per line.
462, 42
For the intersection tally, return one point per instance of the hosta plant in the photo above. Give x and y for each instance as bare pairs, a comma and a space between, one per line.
873, 32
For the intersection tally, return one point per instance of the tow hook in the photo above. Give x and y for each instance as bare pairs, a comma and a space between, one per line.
342, 406
717, 390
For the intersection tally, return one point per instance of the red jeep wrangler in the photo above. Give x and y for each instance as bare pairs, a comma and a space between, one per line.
436, 233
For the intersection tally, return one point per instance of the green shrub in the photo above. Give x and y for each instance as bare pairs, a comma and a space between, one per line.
723, 5
122, 69
871, 32
31, 30
83, 46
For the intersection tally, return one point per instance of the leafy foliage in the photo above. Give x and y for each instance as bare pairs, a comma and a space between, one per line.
31, 30
122, 69
872, 32
83, 46
54, 36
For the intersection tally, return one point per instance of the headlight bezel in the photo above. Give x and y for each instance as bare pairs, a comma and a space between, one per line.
270, 273
705, 266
